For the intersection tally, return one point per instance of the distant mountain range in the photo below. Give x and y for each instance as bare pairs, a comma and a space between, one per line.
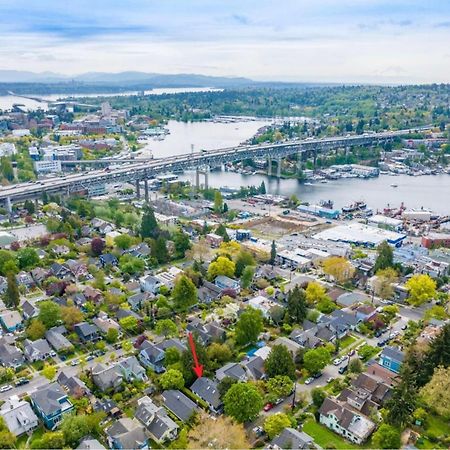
124, 79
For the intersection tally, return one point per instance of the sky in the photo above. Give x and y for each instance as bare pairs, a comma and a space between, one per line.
367, 41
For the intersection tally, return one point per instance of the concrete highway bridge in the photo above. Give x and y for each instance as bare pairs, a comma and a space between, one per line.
138, 172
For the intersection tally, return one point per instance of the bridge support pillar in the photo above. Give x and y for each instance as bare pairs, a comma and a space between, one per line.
279, 168
269, 166
299, 161
8, 205
197, 179
206, 177
315, 159
138, 189
146, 190
36, 204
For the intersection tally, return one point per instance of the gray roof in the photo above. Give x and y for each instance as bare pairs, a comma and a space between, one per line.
393, 353
47, 398
90, 444
293, 439
232, 370
207, 390
10, 354
176, 402
129, 432
57, 340
85, 329
18, 415
39, 346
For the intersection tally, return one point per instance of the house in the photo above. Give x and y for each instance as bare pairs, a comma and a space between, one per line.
179, 405
254, 367
108, 259
223, 282
61, 250
133, 286
208, 391
38, 350
346, 422
102, 226
92, 294
18, 416
351, 298
107, 377
87, 332
392, 359
11, 320
10, 355
169, 276
231, 370
88, 443
292, 346
156, 420
136, 301
208, 292
109, 407
74, 386
29, 310
51, 403
152, 356
365, 313
214, 240
59, 271
57, 340
39, 275
150, 284
127, 433
132, 370
105, 323
206, 332
141, 250
172, 343
78, 269
79, 299
262, 304
292, 439
25, 279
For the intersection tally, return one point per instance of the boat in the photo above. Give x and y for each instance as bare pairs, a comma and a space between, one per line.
326, 204
356, 206
394, 185
307, 184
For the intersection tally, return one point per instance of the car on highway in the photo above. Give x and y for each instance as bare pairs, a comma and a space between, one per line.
6, 388
309, 380
268, 407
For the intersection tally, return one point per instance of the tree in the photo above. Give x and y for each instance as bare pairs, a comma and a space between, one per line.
132, 265
318, 395
401, 405
316, 359
7, 260
166, 328
159, 250
172, 379
218, 201
436, 393
7, 439
97, 246
276, 423
184, 293
219, 354
71, 315
219, 432
277, 314
386, 437
221, 266
315, 293
279, 386
129, 324
29, 206
171, 356
355, 366
385, 257
187, 360
421, 288
243, 402
262, 188
49, 440
36, 330
75, 427
11, 296
49, 313
296, 305
49, 371
182, 243
123, 241
280, 362
248, 327
273, 253
112, 335
28, 258
225, 384
247, 276
383, 285
339, 268
149, 225
222, 231
243, 259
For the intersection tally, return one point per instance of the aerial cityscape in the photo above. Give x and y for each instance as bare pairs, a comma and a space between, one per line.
225, 225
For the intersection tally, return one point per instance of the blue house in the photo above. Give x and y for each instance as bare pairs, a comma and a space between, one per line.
392, 359
152, 356
50, 404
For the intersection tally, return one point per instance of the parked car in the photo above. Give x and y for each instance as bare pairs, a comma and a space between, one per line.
74, 362
309, 380
343, 369
22, 381
337, 361
268, 407
259, 431
90, 358
330, 379
317, 375
6, 388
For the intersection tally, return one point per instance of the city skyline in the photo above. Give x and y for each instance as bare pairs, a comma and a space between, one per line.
353, 41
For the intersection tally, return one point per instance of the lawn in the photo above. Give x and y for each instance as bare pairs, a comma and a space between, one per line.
347, 340
324, 437
437, 425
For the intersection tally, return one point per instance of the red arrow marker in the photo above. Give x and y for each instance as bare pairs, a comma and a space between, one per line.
198, 368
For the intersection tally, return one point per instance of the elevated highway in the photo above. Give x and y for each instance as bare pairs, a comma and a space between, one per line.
136, 172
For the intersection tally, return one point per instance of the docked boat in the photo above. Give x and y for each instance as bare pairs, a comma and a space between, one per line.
356, 206
394, 185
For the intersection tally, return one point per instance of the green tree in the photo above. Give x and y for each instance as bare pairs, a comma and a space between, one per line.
296, 305
184, 293
171, 356
247, 276
7, 259
28, 258
243, 260
218, 201
187, 361
11, 297
401, 405
149, 225
276, 423
71, 315
131, 265
29, 206
225, 384
49, 313
112, 335
355, 366
273, 253
386, 437
7, 439
7, 168
421, 288
129, 324
123, 241
49, 440
318, 395
75, 427
221, 266
172, 379
383, 285
280, 362
243, 402
248, 327
315, 360
49, 371
159, 250
218, 354
36, 330
166, 328
385, 257
182, 243
279, 386
222, 231
436, 393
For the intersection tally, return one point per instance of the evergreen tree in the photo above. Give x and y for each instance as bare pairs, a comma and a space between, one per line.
11, 296
273, 253
218, 201
159, 250
221, 231
280, 362
262, 188
149, 226
243, 260
385, 257
29, 206
184, 293
297, 309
